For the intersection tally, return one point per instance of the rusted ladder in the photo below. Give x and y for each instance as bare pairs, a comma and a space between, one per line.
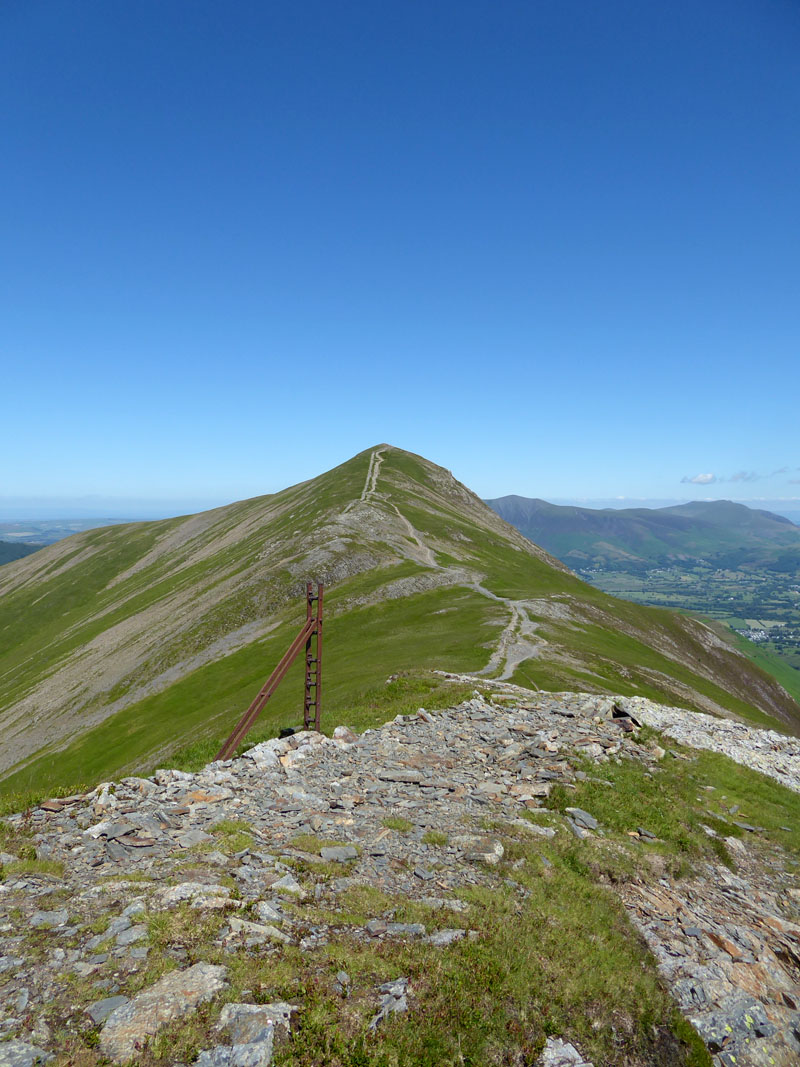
313, 682
313, 663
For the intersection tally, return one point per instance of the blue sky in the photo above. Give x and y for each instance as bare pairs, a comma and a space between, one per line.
553, 246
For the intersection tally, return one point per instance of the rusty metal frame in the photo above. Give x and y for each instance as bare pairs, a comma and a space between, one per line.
313, 678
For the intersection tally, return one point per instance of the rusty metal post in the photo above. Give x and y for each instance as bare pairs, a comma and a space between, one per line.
312, 626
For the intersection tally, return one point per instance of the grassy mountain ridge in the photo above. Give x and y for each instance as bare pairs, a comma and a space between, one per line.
121, 644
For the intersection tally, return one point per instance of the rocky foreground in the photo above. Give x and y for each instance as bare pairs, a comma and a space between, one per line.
416, 808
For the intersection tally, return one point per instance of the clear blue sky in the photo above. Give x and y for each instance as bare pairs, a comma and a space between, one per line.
551, 245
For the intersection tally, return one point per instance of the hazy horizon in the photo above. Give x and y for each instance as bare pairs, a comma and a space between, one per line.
142, 510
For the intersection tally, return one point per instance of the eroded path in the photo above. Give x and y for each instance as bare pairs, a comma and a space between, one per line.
518, 640
373, 471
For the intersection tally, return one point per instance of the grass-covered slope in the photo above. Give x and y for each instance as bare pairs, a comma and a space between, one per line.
120, 646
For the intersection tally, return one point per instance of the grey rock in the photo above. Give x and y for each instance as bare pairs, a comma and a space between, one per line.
394, 1000
257, 933
405, 930
558, 1053
198, 893
245, 1023
131, 935
136, 907
404, 777
116, 926
101, 1009
287, 884
253, 1054
174, 996
269, 913
193, 837
583, 818
339, 853
21, 1054
442, 938
49, 918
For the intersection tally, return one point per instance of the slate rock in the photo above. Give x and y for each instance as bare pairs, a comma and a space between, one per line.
101, 1009
339, 853
21, 1054
131, 935
442, 938
558, 1053
253, 1054
193, 837
200, 895
269, 913
287, 884
49, 918
393, 1000
583, 818
257, 933
245, 1023
177, 994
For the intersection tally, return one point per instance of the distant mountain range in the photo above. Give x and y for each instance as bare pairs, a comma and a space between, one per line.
10, 552
120, 645
719, 532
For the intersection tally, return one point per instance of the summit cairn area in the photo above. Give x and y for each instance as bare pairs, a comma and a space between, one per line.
536, 876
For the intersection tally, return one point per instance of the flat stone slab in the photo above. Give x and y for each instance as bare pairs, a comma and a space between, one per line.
200, 895
583, 818
49, 918
101, 1009
193, 837
252, 1054
443, 938
339, 853
129, 1027
257, 933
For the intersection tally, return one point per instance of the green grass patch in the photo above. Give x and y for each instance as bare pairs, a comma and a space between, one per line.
397, 822
54, 868
435, 838
564, 961
672, 802
313, 844
232, 835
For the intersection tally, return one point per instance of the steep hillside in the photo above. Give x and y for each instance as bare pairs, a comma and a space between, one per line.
122, 645
719, 531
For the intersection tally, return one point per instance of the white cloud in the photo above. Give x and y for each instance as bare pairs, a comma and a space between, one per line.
700, 479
